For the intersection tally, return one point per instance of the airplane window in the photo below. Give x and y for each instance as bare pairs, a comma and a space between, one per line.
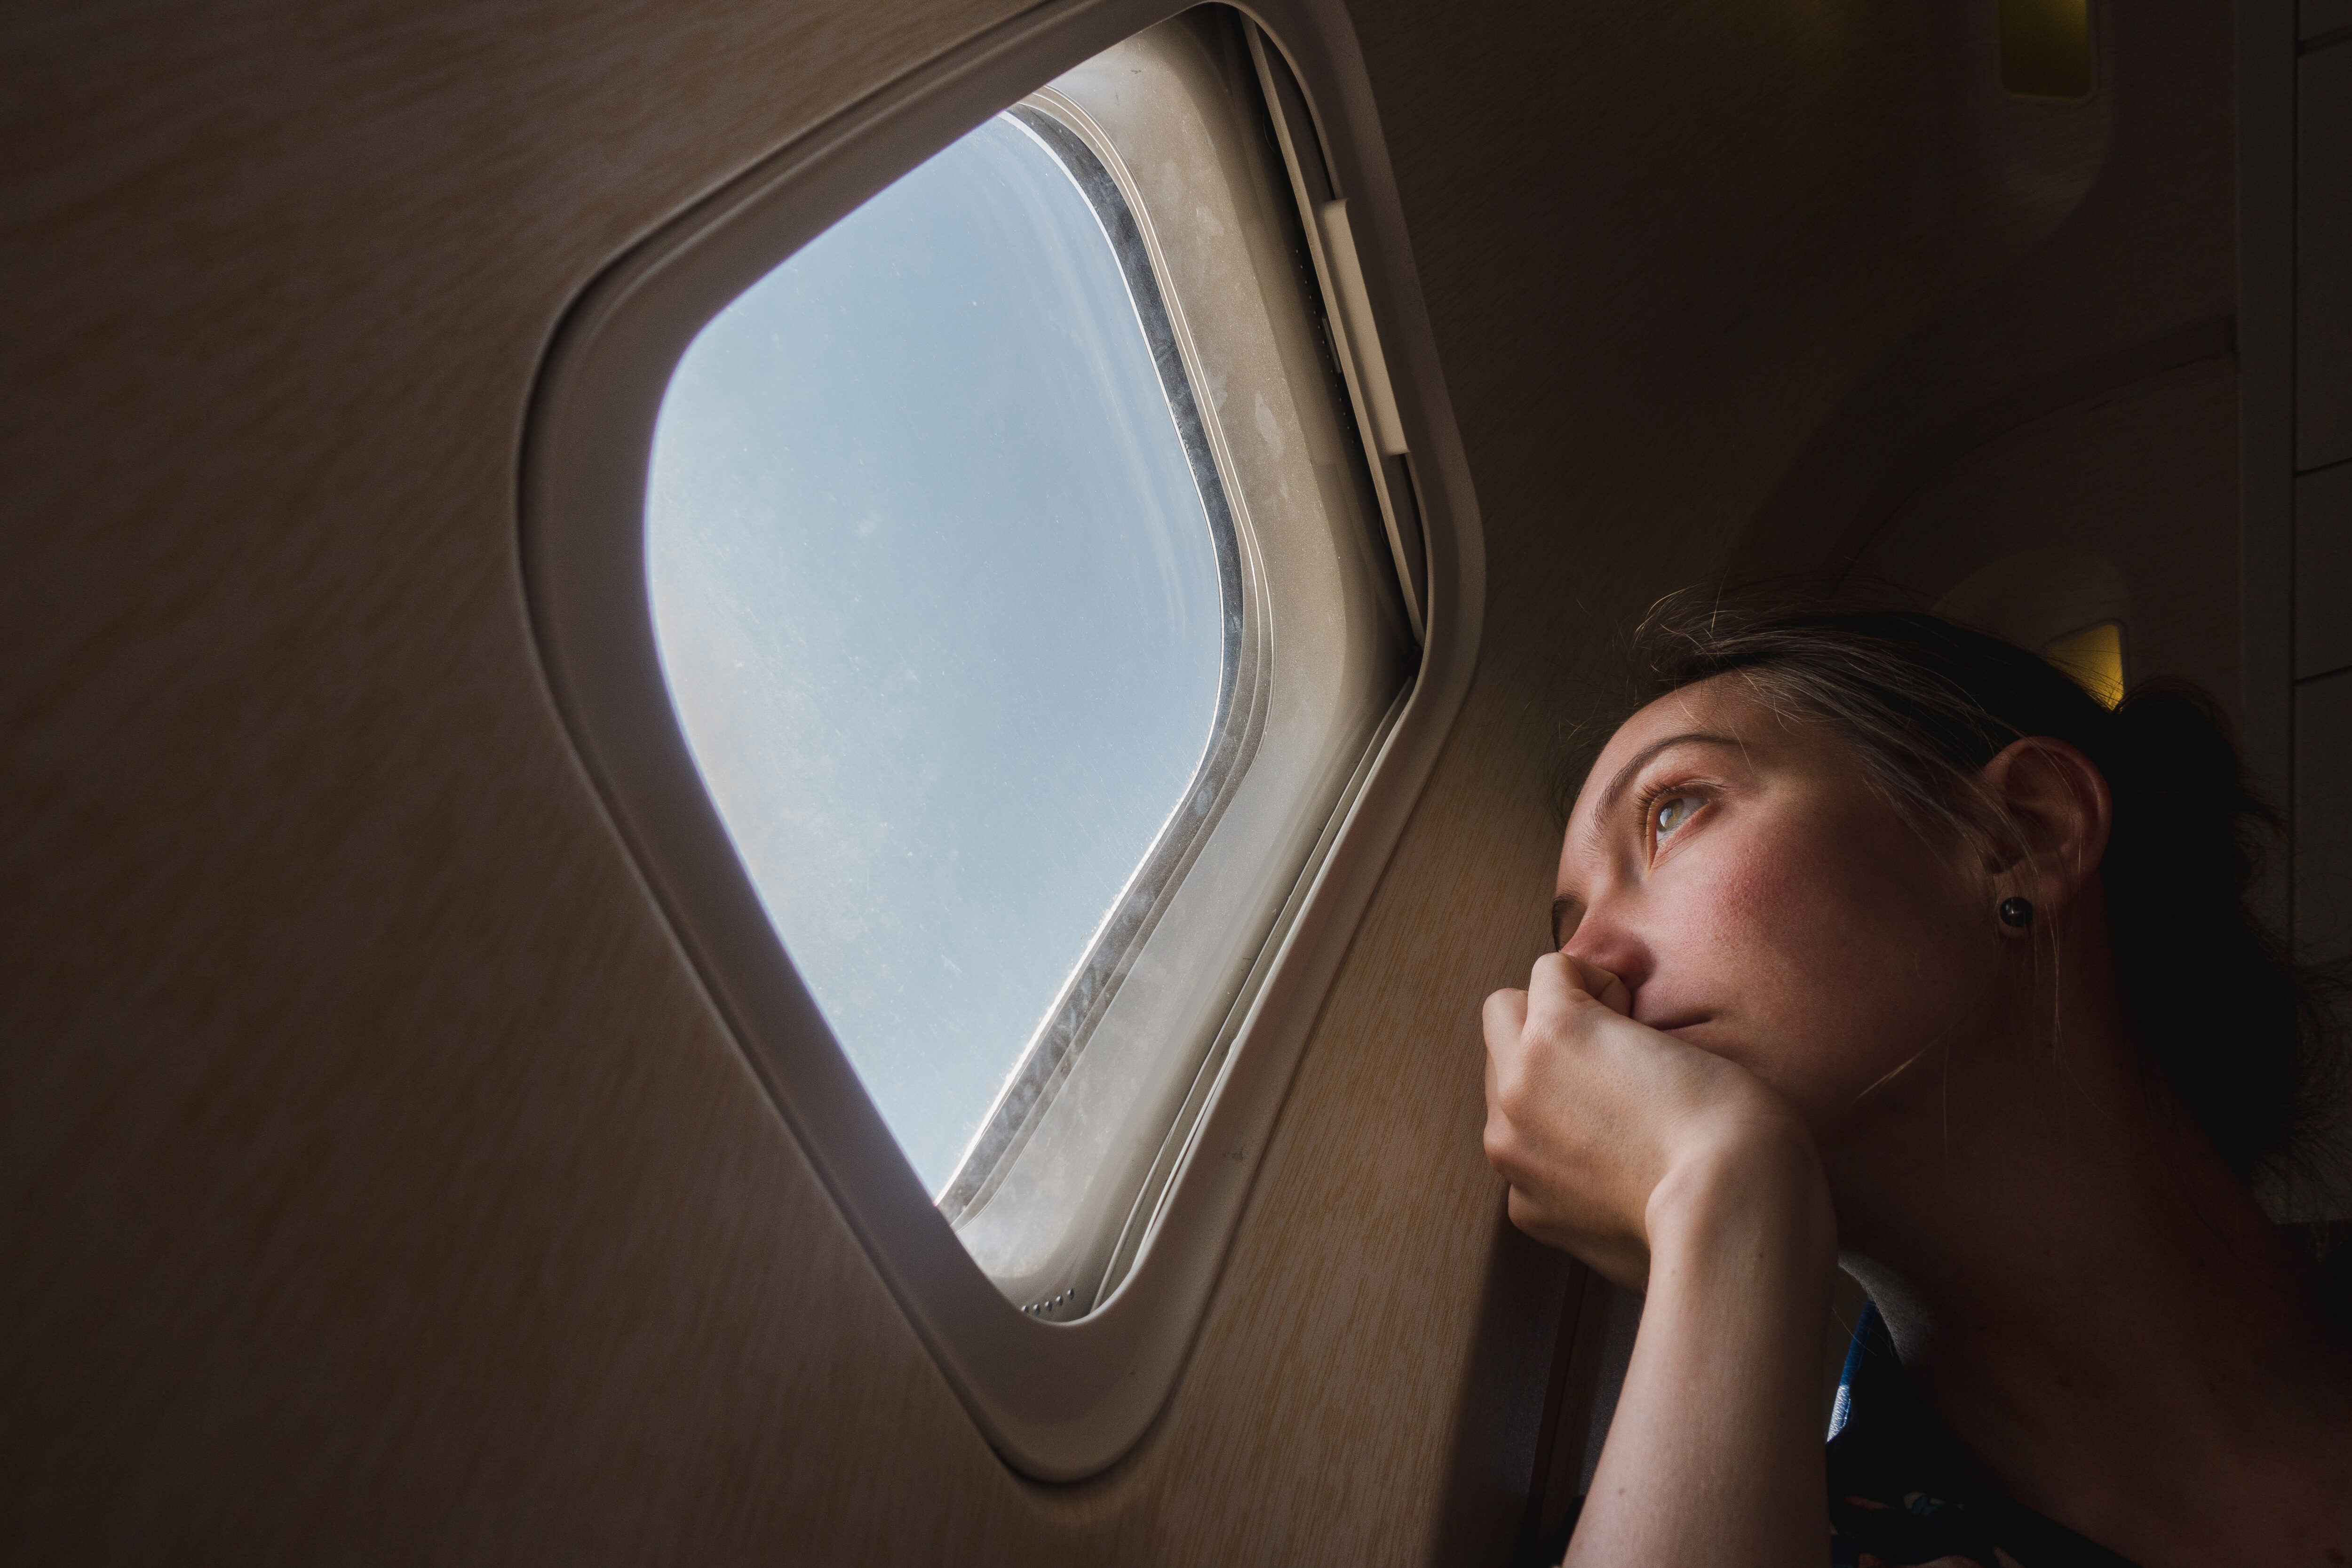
1030, 607
943, 609
1009, 602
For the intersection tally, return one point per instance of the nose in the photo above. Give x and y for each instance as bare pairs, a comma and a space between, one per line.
1609, 938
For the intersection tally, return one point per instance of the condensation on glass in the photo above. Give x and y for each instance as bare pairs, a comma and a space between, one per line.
969, 531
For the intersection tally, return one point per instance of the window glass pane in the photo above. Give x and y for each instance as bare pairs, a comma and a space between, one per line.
938, 605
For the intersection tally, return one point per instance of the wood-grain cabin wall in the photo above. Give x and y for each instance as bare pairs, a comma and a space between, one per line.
376, 1182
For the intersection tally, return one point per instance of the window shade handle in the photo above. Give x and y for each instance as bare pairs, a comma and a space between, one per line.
1363, 340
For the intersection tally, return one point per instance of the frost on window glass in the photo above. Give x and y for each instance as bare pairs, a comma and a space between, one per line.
938, 602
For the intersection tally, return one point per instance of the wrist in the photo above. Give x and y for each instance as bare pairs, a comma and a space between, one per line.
1714, 1452
1765, 1183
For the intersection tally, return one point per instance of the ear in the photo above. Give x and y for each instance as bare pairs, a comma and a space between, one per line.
2061, 810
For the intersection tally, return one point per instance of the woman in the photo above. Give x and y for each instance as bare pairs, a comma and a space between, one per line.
1880, 944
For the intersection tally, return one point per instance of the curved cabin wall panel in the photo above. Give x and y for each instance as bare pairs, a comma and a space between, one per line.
380, 1180
2139, 279
2138, 486
1776, 269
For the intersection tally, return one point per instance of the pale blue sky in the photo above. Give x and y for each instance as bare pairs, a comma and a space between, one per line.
937, 600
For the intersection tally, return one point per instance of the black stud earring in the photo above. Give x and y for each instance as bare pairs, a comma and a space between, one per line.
2017, 912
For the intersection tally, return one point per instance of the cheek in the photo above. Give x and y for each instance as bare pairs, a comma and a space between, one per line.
1839, 959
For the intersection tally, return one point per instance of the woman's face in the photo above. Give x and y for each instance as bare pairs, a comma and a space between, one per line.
1759, 900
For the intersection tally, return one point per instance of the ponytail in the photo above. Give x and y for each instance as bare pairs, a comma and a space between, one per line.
2218, 1005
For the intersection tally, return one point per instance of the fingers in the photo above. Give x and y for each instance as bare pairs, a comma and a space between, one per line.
1558, 986
1604, 987
1505, 1017
1560, 977
1612, 993
1504, 1020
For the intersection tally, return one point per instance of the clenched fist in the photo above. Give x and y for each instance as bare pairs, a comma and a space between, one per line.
1598, 1122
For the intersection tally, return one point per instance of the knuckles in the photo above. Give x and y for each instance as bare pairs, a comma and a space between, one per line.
1513, 1096
1502, 1146
1531, 1106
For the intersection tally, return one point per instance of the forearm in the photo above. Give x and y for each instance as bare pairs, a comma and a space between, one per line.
1714, 1455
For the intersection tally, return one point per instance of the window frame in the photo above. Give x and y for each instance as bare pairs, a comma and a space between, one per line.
1056, 126
1058, 1399
1170, 121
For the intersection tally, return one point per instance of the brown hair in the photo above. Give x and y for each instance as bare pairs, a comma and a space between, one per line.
2232, 1022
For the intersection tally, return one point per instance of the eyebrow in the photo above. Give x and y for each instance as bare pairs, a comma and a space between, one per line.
1561, 905
1640, 758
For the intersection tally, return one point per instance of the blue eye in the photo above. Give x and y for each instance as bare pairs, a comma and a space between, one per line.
1672, 812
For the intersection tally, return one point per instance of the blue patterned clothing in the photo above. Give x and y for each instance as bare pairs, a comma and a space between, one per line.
1903, 1494
1902, 1491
